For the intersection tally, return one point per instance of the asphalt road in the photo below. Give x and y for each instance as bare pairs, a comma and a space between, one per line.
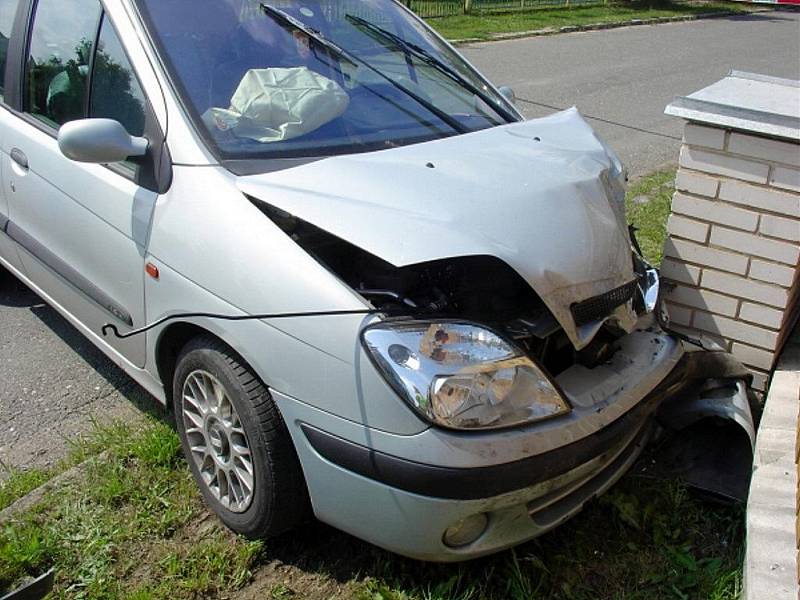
53, 381
626, 77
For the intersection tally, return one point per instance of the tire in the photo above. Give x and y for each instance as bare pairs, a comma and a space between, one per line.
245, 418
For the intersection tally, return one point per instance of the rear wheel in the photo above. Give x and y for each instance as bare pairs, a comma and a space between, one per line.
235, 441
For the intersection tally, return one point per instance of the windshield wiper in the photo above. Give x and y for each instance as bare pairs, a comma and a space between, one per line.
429, 59
289, 22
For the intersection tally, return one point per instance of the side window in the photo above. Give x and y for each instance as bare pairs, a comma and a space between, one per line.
61, 46
8, 10
116, 93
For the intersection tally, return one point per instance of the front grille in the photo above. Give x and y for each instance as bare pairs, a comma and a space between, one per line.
598, 307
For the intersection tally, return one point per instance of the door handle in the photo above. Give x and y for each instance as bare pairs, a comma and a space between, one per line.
18, 156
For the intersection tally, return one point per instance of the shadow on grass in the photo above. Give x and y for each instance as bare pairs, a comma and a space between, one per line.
644, 539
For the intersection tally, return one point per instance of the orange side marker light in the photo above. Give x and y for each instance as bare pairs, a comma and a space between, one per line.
151, 270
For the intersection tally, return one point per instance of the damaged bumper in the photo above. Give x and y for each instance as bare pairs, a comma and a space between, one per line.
449, 496
411, 494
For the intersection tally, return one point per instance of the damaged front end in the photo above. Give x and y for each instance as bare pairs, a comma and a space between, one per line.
509, 304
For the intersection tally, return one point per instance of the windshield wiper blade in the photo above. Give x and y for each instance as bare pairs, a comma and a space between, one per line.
288, 21
285, 19
428, 58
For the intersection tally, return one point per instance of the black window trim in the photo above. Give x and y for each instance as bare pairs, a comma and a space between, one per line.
156, 174
15, 58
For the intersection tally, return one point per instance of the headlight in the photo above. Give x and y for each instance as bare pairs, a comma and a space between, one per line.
461, 375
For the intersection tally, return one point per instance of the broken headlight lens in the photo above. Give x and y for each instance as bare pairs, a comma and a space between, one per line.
461, 375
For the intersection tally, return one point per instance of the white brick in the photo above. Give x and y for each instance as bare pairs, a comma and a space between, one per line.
759, 380
755, 357
772, 272
679, 315
687, 228
694, 253
705, 299
746, 288
761, 315
783, 177
785, 252
715, 211
710, 137
764, 148
680, 272
694, 183
759, 197
736, 330
787, 229
720, 164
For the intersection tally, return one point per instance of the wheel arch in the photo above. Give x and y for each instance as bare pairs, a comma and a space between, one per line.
171, 341
173, 338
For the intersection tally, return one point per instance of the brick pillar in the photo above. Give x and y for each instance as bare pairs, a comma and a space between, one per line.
732, 256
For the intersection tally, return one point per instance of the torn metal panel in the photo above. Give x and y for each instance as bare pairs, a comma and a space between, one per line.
712, 429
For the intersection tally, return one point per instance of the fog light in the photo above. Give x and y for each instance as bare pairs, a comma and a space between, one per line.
466, 530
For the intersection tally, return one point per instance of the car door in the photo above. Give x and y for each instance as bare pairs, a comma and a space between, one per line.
81, 229
8, 11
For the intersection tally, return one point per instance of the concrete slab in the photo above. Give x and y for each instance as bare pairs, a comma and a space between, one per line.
771, 569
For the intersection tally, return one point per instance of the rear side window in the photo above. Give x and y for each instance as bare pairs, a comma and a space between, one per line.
59, 58
8, 9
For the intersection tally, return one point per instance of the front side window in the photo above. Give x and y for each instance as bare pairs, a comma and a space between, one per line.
8, 10
317, 77
59, 58
116, 93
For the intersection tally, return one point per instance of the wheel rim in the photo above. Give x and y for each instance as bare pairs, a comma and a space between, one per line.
217, 441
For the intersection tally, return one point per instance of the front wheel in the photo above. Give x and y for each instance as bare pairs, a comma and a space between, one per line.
235, 441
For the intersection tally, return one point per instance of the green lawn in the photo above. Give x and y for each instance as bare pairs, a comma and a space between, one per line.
133, 526
483, 26
648, 204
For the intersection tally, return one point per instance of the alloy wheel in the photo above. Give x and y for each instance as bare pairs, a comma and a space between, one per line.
218, 442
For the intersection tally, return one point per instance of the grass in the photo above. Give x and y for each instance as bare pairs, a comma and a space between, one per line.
648, 205
484, 26
134, 527
126, 529
17, 483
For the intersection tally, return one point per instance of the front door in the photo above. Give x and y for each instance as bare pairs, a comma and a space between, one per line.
8, 11
81, 229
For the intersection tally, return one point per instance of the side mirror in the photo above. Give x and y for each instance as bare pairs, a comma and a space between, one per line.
99, 141
508, 94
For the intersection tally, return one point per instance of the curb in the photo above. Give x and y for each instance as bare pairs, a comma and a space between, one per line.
770, 565
499, 37
35, 496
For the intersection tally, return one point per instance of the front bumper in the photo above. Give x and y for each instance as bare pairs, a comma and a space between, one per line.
403, 492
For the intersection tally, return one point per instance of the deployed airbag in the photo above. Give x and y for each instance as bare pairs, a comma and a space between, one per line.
276, 104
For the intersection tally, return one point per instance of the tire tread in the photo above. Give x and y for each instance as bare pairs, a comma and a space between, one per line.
288, 503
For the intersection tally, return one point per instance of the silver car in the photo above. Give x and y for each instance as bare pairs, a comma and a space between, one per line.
368, 288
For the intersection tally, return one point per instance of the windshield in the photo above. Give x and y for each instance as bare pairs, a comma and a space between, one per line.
287, 79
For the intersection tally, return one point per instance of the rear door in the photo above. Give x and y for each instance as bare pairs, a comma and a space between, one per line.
81, 229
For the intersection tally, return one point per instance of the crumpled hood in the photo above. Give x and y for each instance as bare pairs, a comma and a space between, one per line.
530, 193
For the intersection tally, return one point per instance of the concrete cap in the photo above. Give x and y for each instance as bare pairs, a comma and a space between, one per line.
745, 101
